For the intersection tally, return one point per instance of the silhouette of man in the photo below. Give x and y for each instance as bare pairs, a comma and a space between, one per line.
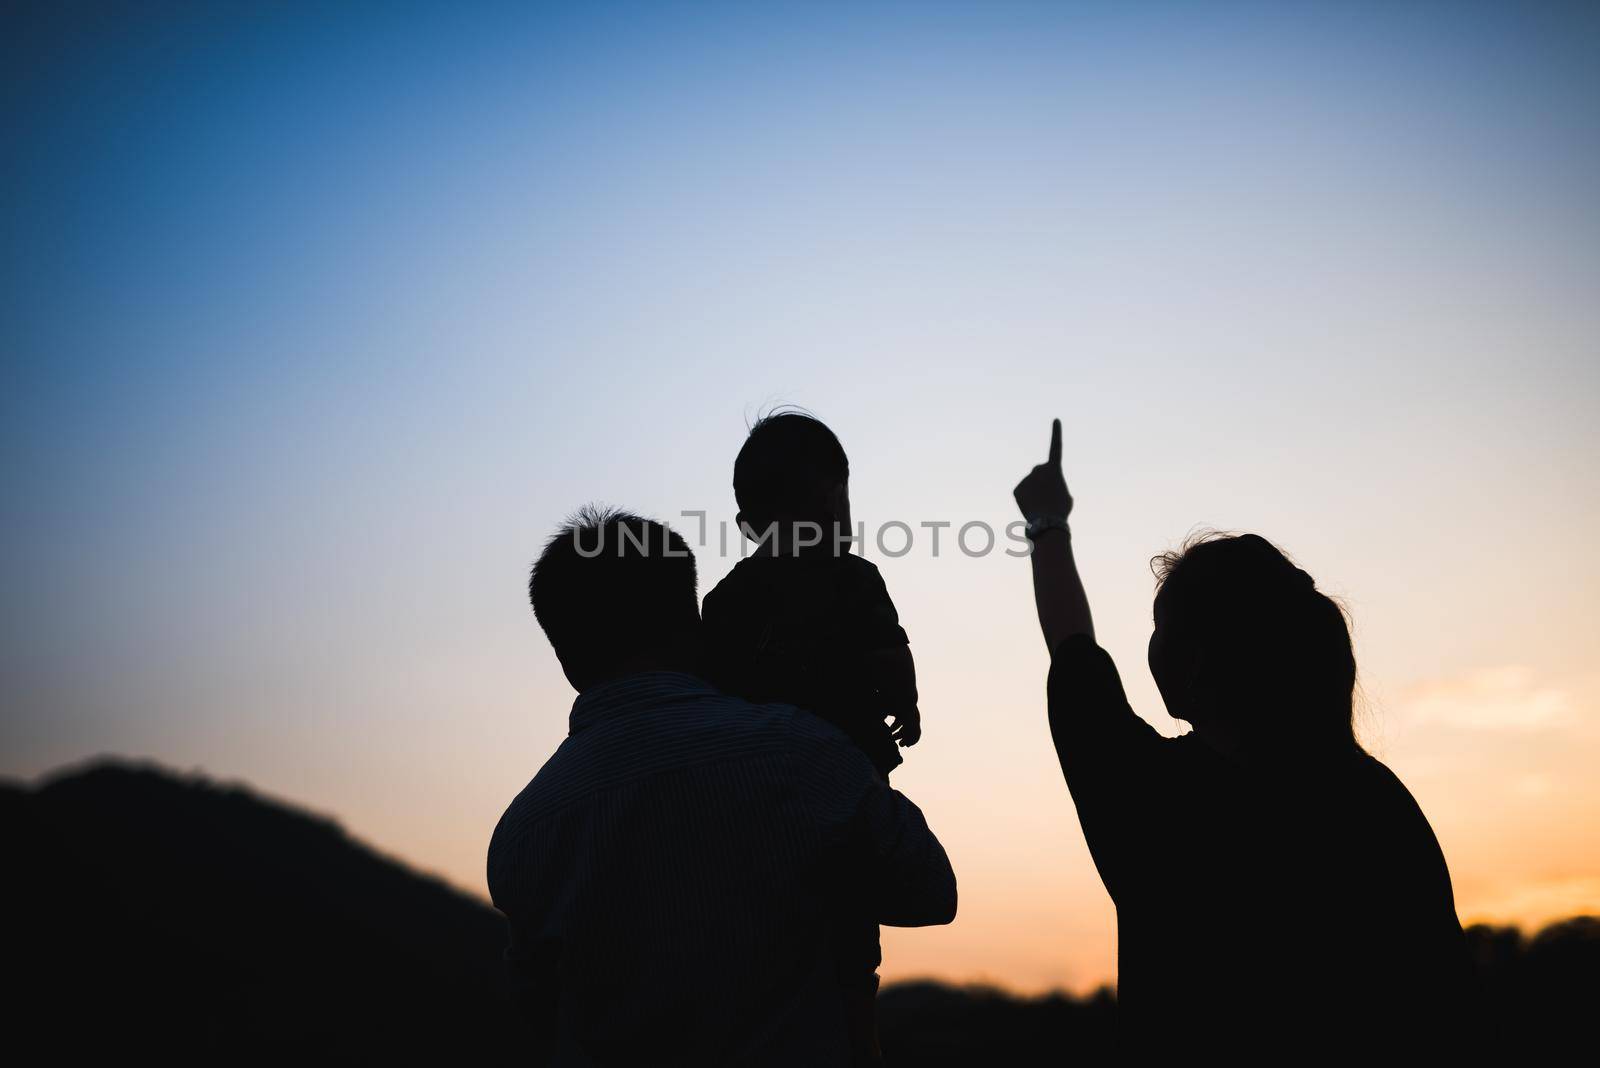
672, 873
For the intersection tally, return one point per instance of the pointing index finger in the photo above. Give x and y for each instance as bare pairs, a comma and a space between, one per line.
1055, 442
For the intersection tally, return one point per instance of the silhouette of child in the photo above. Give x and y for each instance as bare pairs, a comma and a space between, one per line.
805, 622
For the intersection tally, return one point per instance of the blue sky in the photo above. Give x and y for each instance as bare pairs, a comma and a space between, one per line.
316, 321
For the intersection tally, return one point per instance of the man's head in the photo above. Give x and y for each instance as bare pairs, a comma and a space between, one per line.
791, 469
615, 593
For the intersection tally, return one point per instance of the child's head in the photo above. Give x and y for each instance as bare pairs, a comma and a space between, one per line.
792, 470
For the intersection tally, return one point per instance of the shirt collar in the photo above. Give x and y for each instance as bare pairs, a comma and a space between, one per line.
631, 693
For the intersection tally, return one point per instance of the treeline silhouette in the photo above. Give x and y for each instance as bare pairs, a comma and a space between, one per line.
145, 910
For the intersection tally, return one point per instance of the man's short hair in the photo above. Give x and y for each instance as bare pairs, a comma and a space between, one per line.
610, 585
786, 467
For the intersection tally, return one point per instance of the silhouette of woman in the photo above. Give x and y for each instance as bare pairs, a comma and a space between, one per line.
1278, 891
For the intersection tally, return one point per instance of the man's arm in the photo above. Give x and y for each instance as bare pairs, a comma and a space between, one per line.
535, 995
911, 881
893, 863
531, 962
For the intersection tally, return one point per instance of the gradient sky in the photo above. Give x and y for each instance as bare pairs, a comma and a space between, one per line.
315, 323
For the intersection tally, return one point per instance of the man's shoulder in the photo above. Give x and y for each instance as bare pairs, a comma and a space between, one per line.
708, 731
787, 728
679, 733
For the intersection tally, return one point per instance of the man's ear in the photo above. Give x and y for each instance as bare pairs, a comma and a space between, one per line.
575, 677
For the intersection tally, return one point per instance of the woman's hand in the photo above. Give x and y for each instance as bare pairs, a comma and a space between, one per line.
1043, 493
1057, 590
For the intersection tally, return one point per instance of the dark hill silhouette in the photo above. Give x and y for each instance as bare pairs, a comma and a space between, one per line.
931, 1023
145, 910
170, 910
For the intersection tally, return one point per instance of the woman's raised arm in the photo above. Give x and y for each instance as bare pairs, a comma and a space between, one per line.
1057, 589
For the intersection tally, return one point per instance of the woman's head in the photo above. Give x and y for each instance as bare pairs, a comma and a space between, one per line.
1244, 642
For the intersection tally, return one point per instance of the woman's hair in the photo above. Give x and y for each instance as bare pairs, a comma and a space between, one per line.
1264, 646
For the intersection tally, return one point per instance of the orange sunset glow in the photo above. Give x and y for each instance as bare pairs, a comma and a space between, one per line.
316, 328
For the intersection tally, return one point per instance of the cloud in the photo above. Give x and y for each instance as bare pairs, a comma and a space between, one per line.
1490, 699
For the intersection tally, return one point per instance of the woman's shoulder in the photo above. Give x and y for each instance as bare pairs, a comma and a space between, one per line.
1079, 647
1391, 809
1086, 700
1381, 783
1078, 663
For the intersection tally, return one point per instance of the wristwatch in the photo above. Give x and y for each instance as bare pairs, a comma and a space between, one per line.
1040, 524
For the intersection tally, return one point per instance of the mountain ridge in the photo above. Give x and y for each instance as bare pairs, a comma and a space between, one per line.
152, 908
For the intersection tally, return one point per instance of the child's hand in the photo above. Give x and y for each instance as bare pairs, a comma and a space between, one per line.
894, 681
906, 726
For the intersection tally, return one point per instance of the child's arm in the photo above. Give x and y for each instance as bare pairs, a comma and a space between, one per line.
894, 678
874, 627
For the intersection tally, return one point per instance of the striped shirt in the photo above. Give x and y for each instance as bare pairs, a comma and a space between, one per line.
673, 875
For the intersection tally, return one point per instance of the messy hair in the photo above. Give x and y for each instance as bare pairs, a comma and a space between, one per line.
1272, 648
